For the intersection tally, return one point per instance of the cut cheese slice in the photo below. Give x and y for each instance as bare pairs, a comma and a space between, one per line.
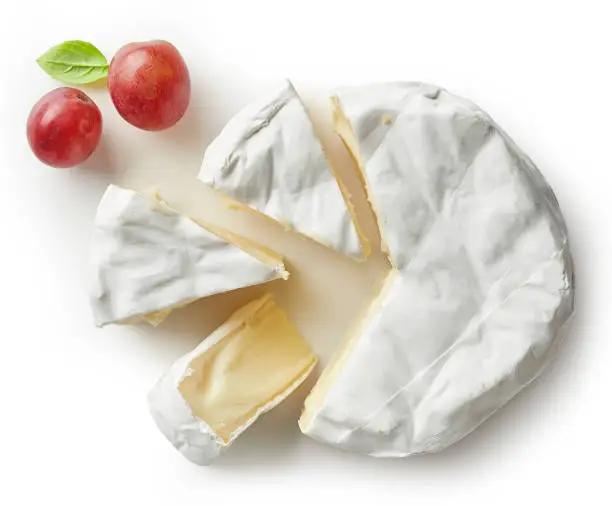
269, 158
481, 284
246, 367
147, 260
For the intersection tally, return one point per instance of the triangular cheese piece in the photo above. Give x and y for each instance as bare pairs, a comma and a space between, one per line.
246, 367
147, 259
268, 157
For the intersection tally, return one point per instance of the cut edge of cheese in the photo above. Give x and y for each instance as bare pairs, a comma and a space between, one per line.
344, 129
171, 401
366, 246
364, 241
262, 253
317, 395
154, 318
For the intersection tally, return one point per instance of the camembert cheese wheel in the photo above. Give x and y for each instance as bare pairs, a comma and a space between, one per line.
481, 280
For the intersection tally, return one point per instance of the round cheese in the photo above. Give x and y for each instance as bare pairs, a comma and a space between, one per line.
481, 280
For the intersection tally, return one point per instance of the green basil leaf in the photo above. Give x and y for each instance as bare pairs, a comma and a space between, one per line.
74, 62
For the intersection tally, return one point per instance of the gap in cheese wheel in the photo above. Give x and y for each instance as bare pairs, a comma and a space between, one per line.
325, 289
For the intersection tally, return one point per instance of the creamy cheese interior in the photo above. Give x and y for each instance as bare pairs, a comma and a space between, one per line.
259, 251
344, 129
365, 243
262, 253
257, 363
346, 195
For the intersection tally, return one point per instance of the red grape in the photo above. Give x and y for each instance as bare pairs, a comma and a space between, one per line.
64, 127
149, 84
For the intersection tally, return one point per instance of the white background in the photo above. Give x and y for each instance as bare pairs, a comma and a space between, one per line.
74, 427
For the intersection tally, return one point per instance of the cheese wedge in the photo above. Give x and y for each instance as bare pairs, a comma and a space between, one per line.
148, 260
250, 364
269, 159
481, 281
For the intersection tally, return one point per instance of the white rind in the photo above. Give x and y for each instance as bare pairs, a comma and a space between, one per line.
269, 158
148, 258
484, 279
190, 435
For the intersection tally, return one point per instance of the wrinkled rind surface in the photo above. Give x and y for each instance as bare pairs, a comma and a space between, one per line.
485, 277
189, 434
146, 259
269, 158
